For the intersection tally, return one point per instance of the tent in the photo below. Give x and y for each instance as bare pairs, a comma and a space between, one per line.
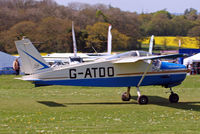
6, 60
193, 63
192, 59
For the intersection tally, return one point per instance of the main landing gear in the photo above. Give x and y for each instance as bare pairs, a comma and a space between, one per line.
142, 99
126, 96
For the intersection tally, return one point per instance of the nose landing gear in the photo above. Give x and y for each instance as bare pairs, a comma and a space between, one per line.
173, 98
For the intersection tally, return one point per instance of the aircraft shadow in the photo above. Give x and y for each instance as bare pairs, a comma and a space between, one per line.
51, 104
160, 101
103, 103
153, 100
55, 104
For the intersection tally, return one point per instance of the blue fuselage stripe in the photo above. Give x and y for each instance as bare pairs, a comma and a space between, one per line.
165, 79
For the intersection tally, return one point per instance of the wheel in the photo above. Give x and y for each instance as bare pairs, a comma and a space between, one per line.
173, 98
143, 99
125, 98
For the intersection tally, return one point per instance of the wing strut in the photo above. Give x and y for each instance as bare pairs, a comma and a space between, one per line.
145, 72
142, 99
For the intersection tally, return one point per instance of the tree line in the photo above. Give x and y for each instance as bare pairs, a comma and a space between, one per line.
48, 25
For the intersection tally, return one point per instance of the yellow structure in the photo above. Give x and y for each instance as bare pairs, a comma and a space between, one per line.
186, 42
42, 54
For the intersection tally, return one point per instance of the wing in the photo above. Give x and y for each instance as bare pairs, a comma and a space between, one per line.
136, 59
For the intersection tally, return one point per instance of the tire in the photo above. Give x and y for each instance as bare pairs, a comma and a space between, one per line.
143, 100
125, 98
173, 98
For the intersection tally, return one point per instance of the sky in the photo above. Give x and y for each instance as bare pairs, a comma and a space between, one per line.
146, 6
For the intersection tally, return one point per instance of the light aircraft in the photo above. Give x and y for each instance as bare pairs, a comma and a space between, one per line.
129, 69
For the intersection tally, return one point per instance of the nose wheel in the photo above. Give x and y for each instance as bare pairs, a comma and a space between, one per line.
173, 98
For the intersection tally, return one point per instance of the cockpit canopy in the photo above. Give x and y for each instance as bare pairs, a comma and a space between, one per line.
75, 60
130, 54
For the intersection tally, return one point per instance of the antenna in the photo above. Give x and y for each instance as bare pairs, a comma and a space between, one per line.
94, 49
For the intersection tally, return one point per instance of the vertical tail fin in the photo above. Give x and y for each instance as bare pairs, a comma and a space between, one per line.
151, 44
109, 49
31, 59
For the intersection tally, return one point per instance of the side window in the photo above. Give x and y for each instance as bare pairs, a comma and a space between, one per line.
143, 53
134, 54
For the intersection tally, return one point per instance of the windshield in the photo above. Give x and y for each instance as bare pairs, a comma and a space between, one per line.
129, 54
76, 59
143, 53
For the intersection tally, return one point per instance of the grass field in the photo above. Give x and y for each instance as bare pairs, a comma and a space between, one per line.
89, 110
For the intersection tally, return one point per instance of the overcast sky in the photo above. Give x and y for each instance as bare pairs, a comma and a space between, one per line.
147, 6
